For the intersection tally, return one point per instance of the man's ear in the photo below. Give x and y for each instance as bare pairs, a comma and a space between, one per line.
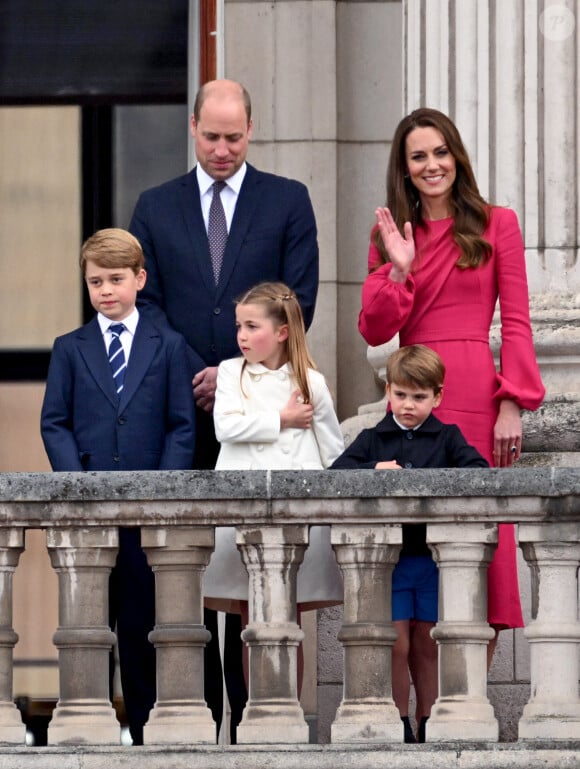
192, 126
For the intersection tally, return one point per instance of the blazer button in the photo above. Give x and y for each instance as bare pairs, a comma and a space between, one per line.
121, 420
116, 458
408, 465
409, 435
216, 310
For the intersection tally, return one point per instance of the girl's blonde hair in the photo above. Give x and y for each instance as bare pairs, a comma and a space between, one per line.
282, 307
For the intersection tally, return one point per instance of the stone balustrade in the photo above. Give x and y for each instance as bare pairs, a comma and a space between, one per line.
272, 510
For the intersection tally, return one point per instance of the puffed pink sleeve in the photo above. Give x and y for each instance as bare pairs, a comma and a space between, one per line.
519, 377
386, 305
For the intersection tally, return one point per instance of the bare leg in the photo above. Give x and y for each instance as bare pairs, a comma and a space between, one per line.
400, 667
424, 668
491, 646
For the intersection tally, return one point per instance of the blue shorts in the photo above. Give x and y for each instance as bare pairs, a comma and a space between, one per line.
415, 588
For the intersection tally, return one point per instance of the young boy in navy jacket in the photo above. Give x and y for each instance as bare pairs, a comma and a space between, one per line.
411, 437
133, 412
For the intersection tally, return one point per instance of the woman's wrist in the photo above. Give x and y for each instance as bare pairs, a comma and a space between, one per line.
397, 275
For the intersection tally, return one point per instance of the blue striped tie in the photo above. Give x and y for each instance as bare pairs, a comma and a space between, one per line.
117, 356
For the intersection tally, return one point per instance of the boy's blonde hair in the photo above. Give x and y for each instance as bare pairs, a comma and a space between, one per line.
418, 366
111, 248
283, 308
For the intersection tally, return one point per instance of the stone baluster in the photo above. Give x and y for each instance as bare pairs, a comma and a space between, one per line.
552, 551
366, 555
178, 557
272, 556
12, 730
83, 559
462, 710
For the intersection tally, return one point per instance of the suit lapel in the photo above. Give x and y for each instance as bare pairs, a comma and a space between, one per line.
196, 230
243, 214
92, 349
143, 350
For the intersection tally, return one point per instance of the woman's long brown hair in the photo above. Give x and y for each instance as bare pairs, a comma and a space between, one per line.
469, 210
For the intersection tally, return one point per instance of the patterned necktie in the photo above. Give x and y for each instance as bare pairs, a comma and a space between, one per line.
117, 356
217, 230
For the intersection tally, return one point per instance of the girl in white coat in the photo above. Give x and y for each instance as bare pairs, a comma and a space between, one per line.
273, 411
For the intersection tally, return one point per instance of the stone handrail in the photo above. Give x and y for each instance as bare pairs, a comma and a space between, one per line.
272, 511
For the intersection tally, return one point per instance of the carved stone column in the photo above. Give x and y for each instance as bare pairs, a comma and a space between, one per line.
178, 557
366, 555
83, 559
12, 730
462, 710
272, 556
552, 551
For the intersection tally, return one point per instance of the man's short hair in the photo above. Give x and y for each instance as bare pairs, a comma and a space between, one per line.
206, 90
418, 366
110, 248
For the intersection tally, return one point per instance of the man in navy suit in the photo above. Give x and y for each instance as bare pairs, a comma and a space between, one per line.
271, 235
139, 418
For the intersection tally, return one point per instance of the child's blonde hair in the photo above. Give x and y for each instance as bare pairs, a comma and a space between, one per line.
282, 307
111, 248
418, 366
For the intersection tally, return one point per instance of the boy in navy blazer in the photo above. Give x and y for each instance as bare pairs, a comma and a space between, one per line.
136, 413
411, 437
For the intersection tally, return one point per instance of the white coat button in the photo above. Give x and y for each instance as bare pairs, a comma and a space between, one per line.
285, 450
260, 447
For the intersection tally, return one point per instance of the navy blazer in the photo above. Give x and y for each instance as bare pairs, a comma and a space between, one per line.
272, 237
433, 444
85, 425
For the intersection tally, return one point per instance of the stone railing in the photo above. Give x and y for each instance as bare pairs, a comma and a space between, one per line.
272, 510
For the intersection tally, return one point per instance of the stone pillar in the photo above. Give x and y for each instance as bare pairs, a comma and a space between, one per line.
272, 556
462, 710
366, 555
12, 730
506, 74
83, 559
552, 551
178, 557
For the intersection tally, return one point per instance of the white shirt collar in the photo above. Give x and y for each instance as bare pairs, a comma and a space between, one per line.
406, 429
130, 322
205, 181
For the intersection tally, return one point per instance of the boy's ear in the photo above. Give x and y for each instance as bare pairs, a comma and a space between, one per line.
141, 279
438, 398
388, 391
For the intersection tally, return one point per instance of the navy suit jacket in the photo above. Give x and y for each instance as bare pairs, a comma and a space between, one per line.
272, 237
85, 425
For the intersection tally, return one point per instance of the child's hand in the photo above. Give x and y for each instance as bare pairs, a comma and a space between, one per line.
390, 465
296, 414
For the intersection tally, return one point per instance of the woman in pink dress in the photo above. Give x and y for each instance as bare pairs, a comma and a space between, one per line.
440, 256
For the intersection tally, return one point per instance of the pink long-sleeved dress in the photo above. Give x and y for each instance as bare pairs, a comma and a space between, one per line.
451, 310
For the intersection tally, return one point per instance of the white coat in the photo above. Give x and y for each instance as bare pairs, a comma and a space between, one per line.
247, 424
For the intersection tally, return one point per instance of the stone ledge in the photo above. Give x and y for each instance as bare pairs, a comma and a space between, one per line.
443, 756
